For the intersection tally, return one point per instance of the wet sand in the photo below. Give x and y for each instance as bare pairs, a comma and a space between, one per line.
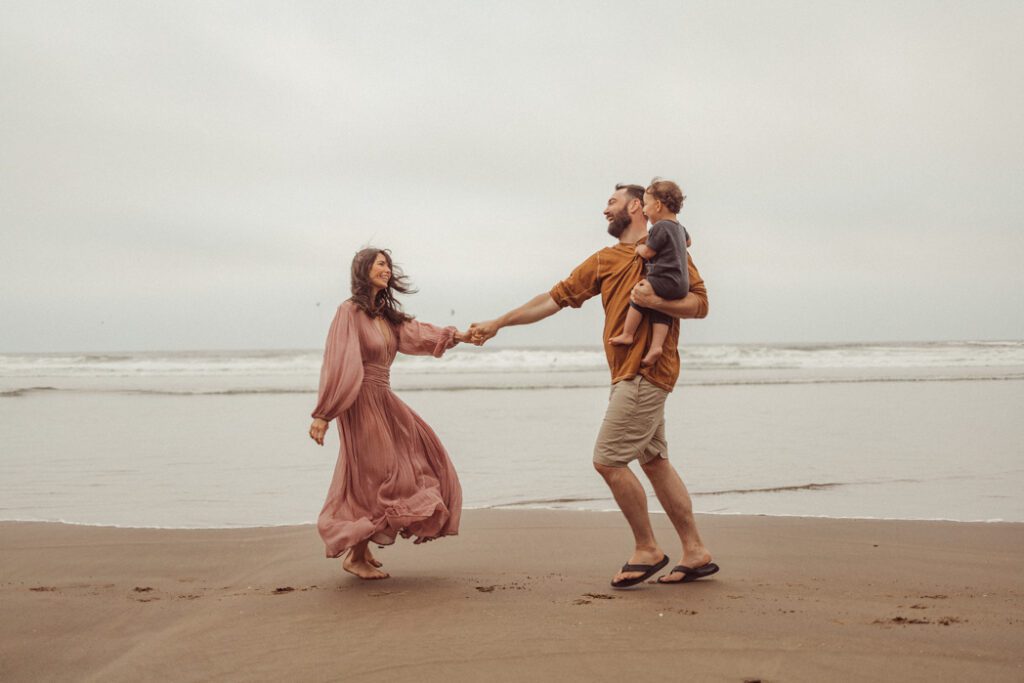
519, 595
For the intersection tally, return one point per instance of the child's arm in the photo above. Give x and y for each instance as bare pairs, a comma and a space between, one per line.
645, 252
657, 239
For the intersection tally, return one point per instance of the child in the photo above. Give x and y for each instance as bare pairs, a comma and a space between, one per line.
665, 253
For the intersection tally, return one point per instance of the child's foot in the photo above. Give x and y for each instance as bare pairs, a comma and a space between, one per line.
652, 357
621, 339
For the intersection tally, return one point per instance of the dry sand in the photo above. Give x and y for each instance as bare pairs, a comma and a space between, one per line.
520, 595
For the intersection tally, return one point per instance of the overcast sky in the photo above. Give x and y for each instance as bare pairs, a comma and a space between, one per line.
181, 175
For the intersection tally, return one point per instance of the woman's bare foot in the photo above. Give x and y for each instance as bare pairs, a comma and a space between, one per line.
652, 357
361, 567
621, 339
373, 560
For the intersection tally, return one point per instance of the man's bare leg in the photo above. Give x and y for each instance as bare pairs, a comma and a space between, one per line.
658, 335
633, 318
632, 500
356, 562
675, 500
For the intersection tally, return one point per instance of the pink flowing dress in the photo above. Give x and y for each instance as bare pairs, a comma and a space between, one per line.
393, 476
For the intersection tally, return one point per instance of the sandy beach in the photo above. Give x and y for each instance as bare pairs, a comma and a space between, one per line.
518, 595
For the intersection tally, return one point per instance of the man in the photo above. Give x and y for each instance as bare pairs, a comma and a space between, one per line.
634, 425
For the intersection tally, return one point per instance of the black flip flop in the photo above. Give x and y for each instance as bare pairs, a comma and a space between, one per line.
648, 570
690, 573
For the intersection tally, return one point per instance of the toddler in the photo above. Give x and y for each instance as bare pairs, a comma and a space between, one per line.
666, 268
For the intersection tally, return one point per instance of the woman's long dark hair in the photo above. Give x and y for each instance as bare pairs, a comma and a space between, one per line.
385, 304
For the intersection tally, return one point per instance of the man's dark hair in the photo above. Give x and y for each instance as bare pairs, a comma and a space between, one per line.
632, 191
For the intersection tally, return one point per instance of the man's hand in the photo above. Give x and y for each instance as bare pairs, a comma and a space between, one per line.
481, 332
693, 305
643, 295
317, 430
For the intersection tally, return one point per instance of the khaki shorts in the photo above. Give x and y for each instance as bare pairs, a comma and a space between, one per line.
634, 426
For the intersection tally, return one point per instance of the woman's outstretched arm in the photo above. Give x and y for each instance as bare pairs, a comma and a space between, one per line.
423, 339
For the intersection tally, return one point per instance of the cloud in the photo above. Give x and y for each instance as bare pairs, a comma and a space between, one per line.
202, 155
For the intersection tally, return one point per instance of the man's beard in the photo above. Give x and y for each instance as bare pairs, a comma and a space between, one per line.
618, 224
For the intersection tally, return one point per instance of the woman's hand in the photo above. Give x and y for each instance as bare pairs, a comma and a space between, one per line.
468, 337
317, 430
481, 332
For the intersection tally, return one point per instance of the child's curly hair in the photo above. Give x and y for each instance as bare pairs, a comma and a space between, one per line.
668, 193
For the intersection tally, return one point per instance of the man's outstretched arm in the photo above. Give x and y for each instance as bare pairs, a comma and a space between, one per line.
537, 308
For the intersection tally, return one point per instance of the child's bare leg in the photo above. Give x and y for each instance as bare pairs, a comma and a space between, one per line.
658, 335
633, 318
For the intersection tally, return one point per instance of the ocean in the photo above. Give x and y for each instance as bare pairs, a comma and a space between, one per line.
205, 439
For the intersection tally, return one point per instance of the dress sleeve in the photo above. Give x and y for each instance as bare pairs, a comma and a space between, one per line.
423, 339
341, 375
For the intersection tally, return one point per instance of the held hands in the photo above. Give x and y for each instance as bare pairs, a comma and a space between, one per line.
466, 337
317, 430
478, 333
481, 332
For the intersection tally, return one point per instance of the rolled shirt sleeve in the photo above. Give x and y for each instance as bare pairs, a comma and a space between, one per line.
697, 288
583, 283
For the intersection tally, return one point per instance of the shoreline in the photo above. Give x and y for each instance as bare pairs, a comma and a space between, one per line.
513, 509
518, 594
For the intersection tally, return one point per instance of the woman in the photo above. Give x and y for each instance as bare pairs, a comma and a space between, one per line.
393, 476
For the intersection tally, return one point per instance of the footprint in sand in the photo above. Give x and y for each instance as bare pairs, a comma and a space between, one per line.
91, 589
943, 621
514, 586
144, 589
588, 598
